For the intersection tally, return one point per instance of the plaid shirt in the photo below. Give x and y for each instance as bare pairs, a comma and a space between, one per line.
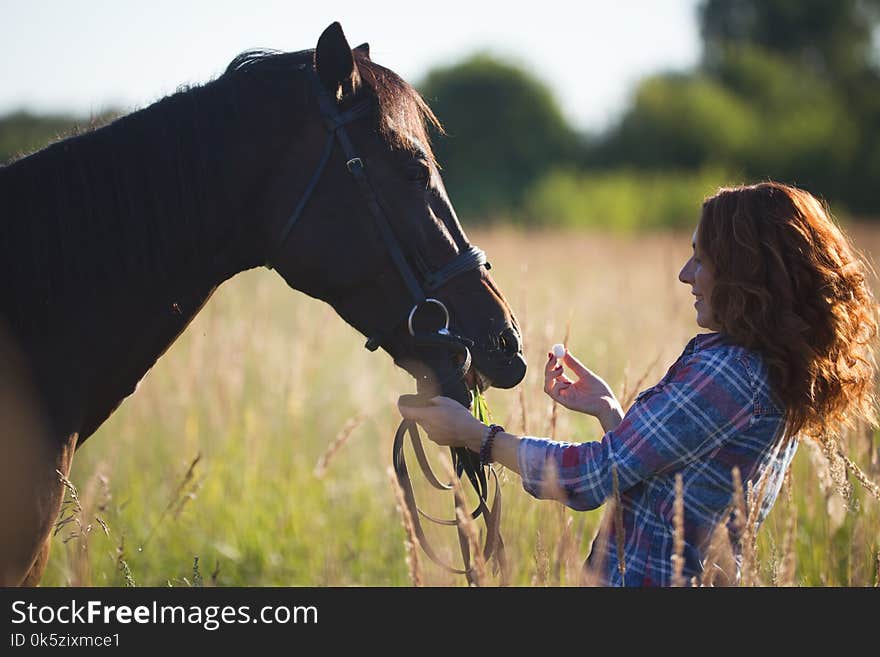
711, 411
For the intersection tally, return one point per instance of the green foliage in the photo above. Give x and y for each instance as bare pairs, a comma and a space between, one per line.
806, 131
621, 200
22, 133
683, 121
786, 91
504, 128
833, 39
810, 68
480, 406
761, 116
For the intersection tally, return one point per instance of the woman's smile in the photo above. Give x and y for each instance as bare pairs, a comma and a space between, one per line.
698, 271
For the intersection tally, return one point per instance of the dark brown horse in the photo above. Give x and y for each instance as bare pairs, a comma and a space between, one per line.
315, 163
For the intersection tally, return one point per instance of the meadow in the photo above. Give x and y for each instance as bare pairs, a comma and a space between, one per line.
257, 451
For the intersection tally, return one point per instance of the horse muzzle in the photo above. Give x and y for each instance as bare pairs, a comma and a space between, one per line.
500, 362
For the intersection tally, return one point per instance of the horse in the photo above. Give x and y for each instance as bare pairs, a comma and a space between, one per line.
314, 164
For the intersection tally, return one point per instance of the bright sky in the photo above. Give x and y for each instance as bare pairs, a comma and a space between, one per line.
82, 57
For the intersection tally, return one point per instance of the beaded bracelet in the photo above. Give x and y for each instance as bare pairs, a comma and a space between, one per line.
486, 446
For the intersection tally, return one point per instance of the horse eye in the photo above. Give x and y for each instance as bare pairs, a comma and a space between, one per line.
419, 172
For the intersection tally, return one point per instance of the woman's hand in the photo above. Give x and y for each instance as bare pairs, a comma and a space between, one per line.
587, 394
447, 422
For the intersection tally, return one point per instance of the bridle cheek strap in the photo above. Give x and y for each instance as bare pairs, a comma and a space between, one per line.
469, 256
356, 166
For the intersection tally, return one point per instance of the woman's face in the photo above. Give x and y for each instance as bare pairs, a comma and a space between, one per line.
697, 272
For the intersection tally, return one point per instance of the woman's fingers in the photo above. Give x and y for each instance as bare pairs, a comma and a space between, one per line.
418, 413
409, 412
561, 383
414, 404
445, 402
550, 375
439, 412
551, 364
555, 382
559, 394
445, 420
576, 366
556, 373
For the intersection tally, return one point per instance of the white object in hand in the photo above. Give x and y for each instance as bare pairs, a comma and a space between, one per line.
559, 350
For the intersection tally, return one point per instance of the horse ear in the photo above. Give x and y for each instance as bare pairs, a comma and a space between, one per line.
333, 59
364, 51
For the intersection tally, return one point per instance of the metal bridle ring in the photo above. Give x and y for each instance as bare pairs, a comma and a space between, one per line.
412, 314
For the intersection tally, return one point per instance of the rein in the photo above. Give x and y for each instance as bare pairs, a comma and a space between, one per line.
491, 515
469, 257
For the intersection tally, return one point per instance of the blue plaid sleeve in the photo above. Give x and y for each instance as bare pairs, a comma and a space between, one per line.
704, 401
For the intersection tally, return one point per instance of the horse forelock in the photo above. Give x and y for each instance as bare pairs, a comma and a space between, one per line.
404, 116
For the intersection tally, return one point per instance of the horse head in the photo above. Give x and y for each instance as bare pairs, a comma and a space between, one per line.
373, 233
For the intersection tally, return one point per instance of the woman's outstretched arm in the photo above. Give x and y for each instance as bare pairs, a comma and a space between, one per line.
697, 410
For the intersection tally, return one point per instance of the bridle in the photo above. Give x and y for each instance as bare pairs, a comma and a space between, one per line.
469, 257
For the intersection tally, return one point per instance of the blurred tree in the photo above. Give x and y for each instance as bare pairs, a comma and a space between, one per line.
787, 89
808, 132
830, 39
762, 116
681, 121
504, 129
831, 85
620, 200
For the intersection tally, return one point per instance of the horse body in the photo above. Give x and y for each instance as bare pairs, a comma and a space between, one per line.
115, 239
113, 277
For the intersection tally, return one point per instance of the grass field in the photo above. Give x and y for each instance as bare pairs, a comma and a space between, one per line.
209, 473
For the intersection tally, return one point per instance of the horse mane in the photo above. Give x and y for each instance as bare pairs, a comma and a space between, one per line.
113, 205
127, 203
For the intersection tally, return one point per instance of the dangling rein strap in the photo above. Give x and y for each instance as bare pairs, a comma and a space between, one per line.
491, 516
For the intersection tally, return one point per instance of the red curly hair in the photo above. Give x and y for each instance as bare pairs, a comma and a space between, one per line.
790, 285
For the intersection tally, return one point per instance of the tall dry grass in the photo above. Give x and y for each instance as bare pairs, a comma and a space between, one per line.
256, 450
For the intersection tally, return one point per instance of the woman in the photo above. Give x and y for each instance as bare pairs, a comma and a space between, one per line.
791, 324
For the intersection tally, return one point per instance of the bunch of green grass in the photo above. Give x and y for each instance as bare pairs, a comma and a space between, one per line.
480, 407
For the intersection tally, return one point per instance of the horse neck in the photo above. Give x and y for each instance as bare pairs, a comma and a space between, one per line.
108, 326
155, 196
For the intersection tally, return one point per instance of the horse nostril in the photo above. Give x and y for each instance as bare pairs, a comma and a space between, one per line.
508, 342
